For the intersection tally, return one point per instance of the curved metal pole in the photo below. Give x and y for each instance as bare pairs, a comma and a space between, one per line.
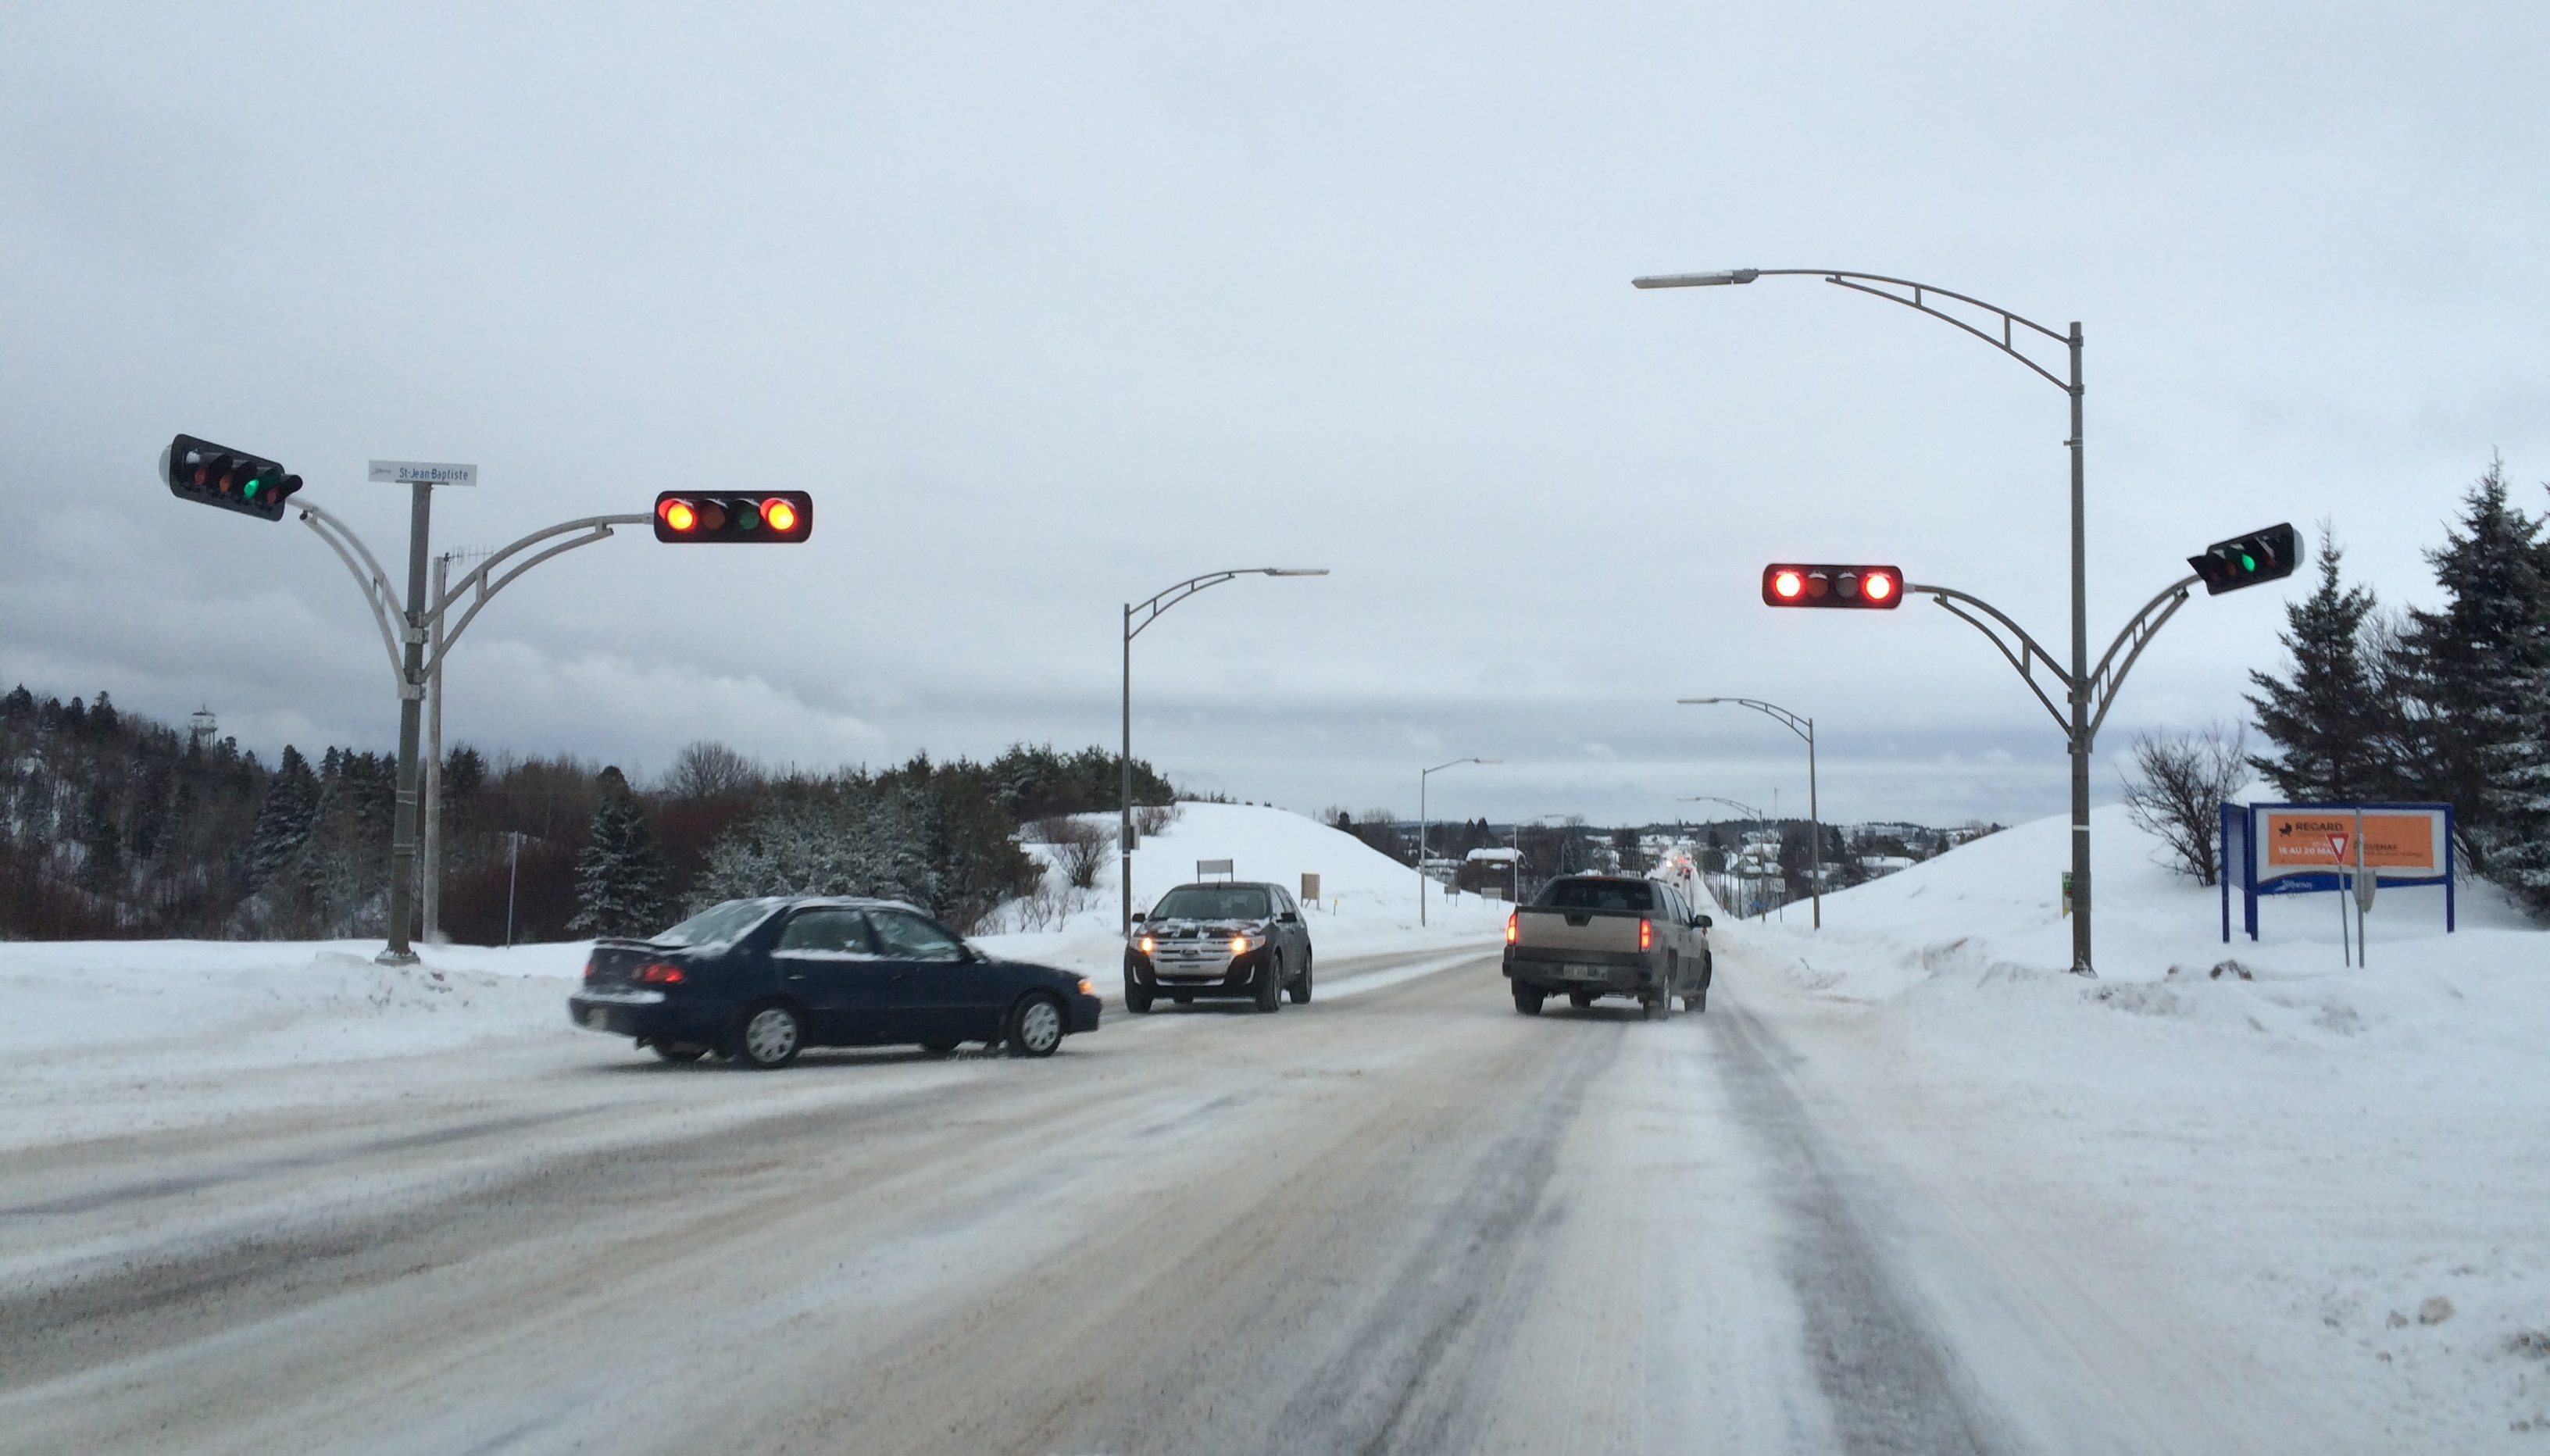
1160, 602
1804, 728
2031, 651
1421, 776
597, 528
1732, 804
375, 587
2141, 631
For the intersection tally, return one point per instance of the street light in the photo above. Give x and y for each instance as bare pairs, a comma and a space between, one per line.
1421, 776
1162, 600
2078, 731
1804, 728
1751, 811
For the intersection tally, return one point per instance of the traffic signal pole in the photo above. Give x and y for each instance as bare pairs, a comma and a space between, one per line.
426, 617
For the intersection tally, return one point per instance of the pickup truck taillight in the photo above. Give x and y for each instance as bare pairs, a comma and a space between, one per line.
1646, 935
1512, 927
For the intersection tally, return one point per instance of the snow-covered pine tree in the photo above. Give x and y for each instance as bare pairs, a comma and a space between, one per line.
284, 821
2322, 719
620, 876
2466, 671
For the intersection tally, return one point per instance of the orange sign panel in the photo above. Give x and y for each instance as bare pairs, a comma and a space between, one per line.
2301, 839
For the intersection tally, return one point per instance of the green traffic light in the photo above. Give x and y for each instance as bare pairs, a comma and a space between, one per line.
2248, 562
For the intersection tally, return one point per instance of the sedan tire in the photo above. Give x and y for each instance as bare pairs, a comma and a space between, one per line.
1300, 990
1036, 1025
768, 1036
1270, 985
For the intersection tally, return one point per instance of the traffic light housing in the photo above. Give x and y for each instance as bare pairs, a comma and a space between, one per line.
234, 481
773, 516
2246, 560
1826, 584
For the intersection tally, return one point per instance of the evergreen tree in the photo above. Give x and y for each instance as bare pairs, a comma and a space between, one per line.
620, 876
2324, 717
284, 821
2465, 672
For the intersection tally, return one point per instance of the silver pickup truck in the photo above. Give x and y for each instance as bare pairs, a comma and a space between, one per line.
1589, 937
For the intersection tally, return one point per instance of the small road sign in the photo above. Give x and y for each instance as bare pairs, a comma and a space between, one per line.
2337, 847
432, 472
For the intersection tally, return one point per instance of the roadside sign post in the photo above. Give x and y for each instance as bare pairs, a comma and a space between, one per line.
2351, 848
2337, 856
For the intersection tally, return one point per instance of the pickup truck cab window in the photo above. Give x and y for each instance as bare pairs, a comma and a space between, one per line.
1599, 895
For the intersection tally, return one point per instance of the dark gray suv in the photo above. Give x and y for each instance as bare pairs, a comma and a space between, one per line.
1233, 938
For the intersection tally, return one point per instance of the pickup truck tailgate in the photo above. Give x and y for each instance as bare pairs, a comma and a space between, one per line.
1548, 928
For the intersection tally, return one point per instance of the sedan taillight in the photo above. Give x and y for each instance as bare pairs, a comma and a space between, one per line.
660, 974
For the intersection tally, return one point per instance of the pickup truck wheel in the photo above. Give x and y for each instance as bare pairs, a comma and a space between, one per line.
1580, 999
1647, 1007
1270, 985
1138, 999
1528, 999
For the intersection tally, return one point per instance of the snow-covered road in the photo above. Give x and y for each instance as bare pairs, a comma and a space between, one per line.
1403, 1218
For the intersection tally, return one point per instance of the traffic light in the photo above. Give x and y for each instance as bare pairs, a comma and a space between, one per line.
217, 475
1795, 584
771, 516
2246, 560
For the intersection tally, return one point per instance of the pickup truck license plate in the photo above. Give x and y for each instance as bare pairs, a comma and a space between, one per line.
1584, 973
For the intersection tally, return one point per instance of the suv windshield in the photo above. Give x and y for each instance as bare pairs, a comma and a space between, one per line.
1599, 895
718, 924
1212, 903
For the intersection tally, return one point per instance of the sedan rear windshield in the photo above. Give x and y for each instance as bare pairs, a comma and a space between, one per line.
1599, 895
718, 924
1212, 903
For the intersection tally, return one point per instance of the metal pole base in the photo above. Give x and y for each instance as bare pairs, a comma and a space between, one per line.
394, 958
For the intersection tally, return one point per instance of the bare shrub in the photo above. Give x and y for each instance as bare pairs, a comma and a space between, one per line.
710, 770
2185, 779
1151, 819
1079, 847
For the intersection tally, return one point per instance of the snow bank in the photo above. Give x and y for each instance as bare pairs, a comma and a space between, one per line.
1367, 904
2299, 1155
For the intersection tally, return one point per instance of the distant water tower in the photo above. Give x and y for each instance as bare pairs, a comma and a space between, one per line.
200, 729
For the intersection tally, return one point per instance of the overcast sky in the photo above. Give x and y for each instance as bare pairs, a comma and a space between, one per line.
1054, 306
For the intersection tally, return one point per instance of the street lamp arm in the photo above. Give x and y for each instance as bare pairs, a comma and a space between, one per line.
2031, 654
1922, 293
377, 593
1162, 600
1803, 727
2139, 632
595, 528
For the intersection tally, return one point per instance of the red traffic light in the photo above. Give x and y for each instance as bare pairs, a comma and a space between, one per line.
779, 517
1826, 584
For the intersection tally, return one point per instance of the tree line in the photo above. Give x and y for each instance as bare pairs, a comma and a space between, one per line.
2448, 705
112, 826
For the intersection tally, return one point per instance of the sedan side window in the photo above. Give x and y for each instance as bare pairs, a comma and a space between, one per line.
904, 935
825, 931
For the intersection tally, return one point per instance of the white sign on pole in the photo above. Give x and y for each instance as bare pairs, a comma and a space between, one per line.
432, 472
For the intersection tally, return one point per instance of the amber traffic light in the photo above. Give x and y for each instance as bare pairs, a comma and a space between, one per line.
1825, 584
769, 516
234, 481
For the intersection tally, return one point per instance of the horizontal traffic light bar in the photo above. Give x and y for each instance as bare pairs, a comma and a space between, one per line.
776, 516
234, 481
2246, 560
1826, 584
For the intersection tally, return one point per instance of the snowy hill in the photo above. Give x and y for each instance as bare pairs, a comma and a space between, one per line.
1367, 904
2333, 1171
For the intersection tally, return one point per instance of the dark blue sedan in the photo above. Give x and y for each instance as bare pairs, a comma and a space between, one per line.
761, 980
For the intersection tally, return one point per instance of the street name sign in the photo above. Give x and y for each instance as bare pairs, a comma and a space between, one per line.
430, 473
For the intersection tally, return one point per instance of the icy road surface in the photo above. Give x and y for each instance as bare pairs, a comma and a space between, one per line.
1402, 1219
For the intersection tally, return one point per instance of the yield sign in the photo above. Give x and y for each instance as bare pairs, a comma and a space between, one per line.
2337, 847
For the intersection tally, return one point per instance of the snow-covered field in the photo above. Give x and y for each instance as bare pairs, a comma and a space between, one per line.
2332, 1181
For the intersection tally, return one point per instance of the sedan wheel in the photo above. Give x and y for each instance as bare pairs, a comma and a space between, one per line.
1300, 990
1036, 1026
770, 1037
1270, 985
